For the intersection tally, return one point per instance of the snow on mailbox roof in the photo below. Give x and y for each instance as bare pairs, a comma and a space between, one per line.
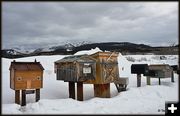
74, 58
26, 66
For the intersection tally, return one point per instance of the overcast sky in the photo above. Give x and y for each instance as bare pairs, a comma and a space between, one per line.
51, 23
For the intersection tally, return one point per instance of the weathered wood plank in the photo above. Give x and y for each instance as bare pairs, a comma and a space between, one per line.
37, 95
80, 91
17, 96
72, 90
102, 90
23, 98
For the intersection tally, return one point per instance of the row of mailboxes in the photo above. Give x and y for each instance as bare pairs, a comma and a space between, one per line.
100, 69
154, 70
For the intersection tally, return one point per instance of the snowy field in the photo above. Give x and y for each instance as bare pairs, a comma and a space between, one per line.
54, 94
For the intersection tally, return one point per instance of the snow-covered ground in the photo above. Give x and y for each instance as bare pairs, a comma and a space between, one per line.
54, 94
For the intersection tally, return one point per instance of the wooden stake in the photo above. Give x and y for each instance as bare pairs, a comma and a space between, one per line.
138, 80
72, 90
37, 95
23, 98
17, 96
80, 91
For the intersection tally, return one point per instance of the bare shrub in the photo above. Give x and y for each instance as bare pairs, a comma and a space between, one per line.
131, 59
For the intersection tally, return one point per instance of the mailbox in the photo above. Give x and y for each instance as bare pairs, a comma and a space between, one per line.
26, 78
76, 68
160, 70
139, 68
151, 73
174, 67
26, 75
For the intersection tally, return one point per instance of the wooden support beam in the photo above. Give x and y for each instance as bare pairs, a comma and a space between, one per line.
37, 95
102, 90
172, 76
72, 90
118, 88
17, 96
159, 81
23, 98
80, 91
138, 80
148, 80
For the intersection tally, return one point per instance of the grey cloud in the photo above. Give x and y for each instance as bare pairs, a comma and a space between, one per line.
34, 23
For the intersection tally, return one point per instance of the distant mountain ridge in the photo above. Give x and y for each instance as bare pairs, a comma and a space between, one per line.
71, 48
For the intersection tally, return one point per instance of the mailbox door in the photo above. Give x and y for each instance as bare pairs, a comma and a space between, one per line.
160, 74
87, 71
139, 68
109, 71
70, 73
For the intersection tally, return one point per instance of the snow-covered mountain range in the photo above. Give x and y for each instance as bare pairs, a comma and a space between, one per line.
73, 47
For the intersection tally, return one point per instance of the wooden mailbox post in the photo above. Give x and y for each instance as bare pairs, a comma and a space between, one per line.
26, 78
139, 69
